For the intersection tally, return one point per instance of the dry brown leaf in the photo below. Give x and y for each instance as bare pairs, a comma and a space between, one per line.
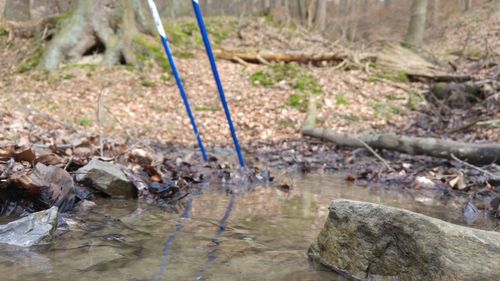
50, 159
458, 182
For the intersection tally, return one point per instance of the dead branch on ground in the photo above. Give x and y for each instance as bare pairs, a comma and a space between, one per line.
479, 154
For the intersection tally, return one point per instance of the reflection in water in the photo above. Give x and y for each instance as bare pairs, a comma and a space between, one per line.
265, 237
171, 239
216, 239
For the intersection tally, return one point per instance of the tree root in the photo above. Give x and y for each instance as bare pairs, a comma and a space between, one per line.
107, 27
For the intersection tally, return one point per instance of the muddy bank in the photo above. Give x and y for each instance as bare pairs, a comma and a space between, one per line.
38, 177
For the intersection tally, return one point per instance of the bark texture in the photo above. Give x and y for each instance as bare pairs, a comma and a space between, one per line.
321, 15
17, 10
98, 26
416, 29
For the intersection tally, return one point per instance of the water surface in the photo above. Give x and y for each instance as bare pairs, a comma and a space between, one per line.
266, 235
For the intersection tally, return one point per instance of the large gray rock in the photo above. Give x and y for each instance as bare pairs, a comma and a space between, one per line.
106, 177
37, 228
375, 242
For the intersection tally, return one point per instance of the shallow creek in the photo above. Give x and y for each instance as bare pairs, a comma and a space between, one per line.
266, 235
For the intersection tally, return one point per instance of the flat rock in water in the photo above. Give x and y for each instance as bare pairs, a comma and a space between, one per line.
107, 178
367, 241
37, 228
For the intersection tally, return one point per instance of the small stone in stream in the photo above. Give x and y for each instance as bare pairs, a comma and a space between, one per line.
85, 206
34, 229
107, 178
160, 188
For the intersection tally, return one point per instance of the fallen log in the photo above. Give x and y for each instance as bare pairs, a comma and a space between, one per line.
263, 57
396, 58
474, 153
392, 58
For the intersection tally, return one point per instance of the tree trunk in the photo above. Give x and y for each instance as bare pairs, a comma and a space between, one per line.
436, 9
321, 15
416, 28
98, 26
204, 6
467, 4
17, 10
311, 13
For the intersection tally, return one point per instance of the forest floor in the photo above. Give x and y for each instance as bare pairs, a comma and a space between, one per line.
141, 106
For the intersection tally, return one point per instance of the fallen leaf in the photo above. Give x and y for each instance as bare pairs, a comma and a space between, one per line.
458, 182
50, 159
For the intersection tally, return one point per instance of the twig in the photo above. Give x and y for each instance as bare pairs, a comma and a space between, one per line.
57, 146
10, 165
492, 123
376, 154
311, 116
466, 125
341, 65
240, 61
100, 106
493, 176
69, 162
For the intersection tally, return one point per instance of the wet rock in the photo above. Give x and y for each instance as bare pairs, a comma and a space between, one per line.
375, 242
34, 229
107, 178
85, 205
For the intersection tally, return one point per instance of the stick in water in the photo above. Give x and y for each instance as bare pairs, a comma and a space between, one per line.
161, 31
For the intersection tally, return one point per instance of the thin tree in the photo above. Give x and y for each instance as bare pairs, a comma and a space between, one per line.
321, 15
467, 4
416, 28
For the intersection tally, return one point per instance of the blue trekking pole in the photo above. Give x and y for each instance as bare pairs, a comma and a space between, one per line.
208, 47
161, 31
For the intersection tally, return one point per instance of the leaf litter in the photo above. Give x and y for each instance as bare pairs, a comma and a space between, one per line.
49, 118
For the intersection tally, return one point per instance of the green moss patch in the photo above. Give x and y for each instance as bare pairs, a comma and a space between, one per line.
185, 34
301, 82
150, 50
398, 76
262, 78
298, 101
84, 121
307, 84
32, 59
340, 99
148, 84
3, 32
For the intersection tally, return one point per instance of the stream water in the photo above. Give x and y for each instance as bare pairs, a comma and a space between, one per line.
266, 235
